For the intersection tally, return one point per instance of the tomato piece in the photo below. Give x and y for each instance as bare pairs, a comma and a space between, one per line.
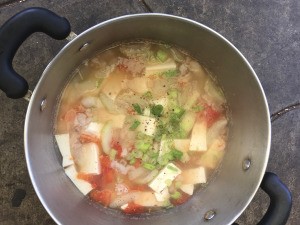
87, 138
116, 145
211, 115
137, 163
105, 162
102, 196
184, 197
108, 176
133, 208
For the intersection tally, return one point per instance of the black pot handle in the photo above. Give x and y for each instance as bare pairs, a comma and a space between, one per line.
280, 201
14, 32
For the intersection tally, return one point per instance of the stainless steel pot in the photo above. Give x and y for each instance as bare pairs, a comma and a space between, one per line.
247, 153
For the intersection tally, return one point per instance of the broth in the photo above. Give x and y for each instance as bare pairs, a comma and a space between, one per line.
141, 126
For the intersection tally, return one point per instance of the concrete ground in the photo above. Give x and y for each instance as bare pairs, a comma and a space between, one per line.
267, 32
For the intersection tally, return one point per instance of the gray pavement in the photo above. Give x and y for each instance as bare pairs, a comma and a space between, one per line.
267, 32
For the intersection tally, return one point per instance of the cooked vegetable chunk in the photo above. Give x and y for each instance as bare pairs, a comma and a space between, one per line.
82, 185
198, 138
63, 142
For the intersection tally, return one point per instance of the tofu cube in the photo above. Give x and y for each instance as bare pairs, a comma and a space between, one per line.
193, 176
94, 128
83, 186
187, 188
88, 159
147, 126
63, 142
147, 199
198, 137
168, 173
162, 196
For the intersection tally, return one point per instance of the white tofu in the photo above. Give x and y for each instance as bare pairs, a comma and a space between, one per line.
123, 207
160, 68
198, 137
113, 84
161, 101
168, 173
138, 84
162, 196
193, 176
82, 185
147, 126
94, 128
63, 142
147, 199
88, 160
187, 188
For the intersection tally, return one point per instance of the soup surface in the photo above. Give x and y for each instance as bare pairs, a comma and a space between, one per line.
140, 126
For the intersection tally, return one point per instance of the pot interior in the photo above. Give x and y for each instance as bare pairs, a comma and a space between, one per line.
249, 129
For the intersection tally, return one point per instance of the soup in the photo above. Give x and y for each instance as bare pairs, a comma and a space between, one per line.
141, 126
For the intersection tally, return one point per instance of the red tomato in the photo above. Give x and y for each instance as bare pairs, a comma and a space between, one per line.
184, 197
116, 145
137, 163
211, 115
103, 196
133, 208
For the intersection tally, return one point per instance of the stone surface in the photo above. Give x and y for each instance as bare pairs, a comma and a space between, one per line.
267, 32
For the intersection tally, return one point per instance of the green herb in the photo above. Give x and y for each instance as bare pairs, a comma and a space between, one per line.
197, 108
132, 161
147, 95
168, 182
142, 146
178, 184
112, 154
172, 168
156, 110
176, 195
161, 55
149, 166
173, 94
134, 125
177, 155
137, 108
170, 73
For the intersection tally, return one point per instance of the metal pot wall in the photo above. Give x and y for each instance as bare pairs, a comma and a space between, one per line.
247, 152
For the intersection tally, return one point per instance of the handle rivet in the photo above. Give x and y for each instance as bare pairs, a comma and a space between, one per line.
209, 215
246, 164
84, 47
43, 105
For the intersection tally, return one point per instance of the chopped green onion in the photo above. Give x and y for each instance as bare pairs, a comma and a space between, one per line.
176, 195
134, 125
172, 168
173, 93
137, 108
147, 95
142, 146
176, 154
112, 154
156, 110
197, 108
148, 166
161, 55
170, 73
